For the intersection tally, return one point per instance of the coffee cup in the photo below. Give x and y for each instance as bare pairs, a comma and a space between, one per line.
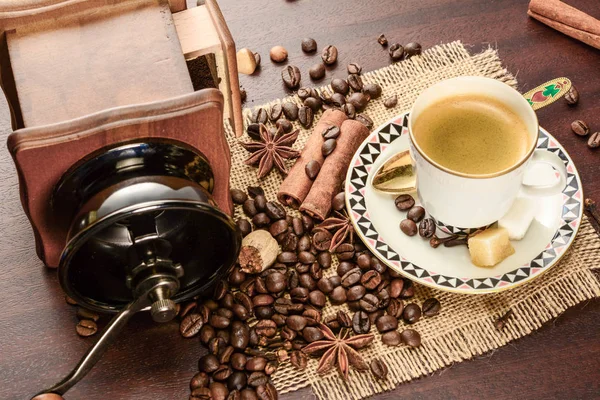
462, 201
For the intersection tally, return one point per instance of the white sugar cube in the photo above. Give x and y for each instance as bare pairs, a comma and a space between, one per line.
518, 218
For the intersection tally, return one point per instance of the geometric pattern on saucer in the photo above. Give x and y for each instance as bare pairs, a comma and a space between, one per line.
357, 180
454, 230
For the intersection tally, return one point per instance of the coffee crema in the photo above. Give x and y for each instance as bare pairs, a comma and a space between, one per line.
472, 134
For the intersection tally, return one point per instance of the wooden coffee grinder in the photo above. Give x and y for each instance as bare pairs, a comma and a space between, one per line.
117, 111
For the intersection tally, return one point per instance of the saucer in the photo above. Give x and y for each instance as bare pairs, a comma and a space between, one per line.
376, 221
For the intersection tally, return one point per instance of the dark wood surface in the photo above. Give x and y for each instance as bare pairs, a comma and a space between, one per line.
38, 343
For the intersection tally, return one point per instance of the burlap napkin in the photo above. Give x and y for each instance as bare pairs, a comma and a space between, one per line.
465, 326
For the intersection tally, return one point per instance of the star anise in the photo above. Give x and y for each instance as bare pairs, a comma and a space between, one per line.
271, 150
340, 225
339, 350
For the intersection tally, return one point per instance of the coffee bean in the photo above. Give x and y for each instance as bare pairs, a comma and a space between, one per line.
234, 395
356, 84
416, 213
309, 45
386, 323
371, 279
396, 52
317, 72
240, 335
266, 328
351, 277
244, 226
276, 282
259, 115
379, 369
338, 100
261, 220
290, 110
266, 392
391, 101
240, 312
296, 322
345, 251
278, 54
580, 128
329, 55
238, 361
190, 326
431, 307
312, 315
208, 363
594, 140
365, 120
356, 293
427, 228
359, 101
298, 359
344, 267
331, 132
262, 300
248, 394
369, 303
312, 334
256, 364
325, 285
408, 227
373, 90
322, 240
364, 261
338, 295
219, 321
340, 86
572, 96
222, 373
404, 202
361, 323
306, 257
307, 281
374, 316
317, 298
391, 338
304, 243
238, 196
349, 110
409, 290
200, 380
314, 103
343, 319
275, 211
254, 191
299, 294
278, 227
412, 313
305, 116
207, 333
291, 77
324, 259
297, 226
354, 69
284, 124
202, 393
412, 49
287, 257
237, 380
382, 40
249, 208
411, 338
86, 328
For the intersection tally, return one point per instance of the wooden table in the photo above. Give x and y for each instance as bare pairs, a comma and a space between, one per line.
38, 343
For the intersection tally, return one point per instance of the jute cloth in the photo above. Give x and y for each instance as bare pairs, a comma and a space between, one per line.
465, 326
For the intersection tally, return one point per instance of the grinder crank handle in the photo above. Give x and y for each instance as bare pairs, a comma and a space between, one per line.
156, 294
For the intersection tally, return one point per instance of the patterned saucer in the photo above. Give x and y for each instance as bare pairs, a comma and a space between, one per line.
376, 220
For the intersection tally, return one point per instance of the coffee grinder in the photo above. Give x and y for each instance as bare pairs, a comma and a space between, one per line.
117, 111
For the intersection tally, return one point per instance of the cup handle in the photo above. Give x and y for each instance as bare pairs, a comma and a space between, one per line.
546, 157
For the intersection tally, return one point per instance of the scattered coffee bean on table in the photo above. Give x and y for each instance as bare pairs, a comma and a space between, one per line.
580, 128
328, 147
594, 140
317, 72
86, 328
416, 213
290, 110
382, 40
354, 69
412, 49
572, 96
372, 89
278, 54
396, 52
291, 77
427, 228
312, 169
355, 82
329, 55
331, 132
431, 307
339, 201
309, 45
408, 227
404, 202
379, 369
412, 313
391, 338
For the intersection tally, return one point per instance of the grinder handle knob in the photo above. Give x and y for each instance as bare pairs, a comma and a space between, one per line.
163, 310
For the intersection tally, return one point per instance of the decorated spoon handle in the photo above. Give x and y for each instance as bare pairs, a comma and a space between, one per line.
547, 93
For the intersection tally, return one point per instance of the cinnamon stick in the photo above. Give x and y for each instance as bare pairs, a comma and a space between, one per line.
333, 172
297, 184
566, 19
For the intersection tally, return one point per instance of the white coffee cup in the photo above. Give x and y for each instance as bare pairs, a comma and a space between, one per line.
462, 202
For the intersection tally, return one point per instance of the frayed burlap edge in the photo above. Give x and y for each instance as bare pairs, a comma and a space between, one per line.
465, 327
